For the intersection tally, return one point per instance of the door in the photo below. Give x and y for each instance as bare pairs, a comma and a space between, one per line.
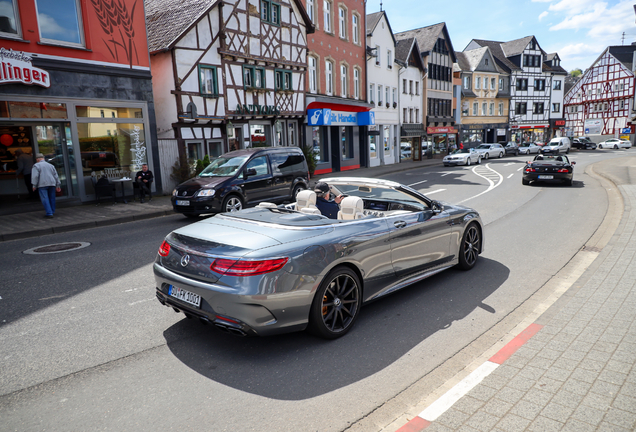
51, 142
419, 241
257, 187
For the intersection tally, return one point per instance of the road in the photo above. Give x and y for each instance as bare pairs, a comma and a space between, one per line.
85, 346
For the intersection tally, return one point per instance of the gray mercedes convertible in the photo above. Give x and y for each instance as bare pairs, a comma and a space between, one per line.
274, 269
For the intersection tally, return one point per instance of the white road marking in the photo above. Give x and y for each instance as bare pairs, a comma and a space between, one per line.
432, 192
442, 404
520, 169
445, 174
510, 163
413, 184
141, 301
511, 175
488, 174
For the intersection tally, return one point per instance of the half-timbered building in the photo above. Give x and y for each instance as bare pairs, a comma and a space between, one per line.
552, 65
599, 104
530, 84
228, 74
338, 114
436, 50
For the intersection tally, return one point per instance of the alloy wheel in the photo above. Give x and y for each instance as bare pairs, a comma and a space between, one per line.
233, 204
340, 303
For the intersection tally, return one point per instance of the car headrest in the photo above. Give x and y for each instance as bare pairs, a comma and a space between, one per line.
305, 199
351, 208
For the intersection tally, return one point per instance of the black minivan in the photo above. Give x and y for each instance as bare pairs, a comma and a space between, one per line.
243, 177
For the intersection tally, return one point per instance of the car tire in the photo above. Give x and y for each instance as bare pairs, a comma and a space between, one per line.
516, 153
232, 203
568, 182
567, 151
468, 161
600, 146
336, 305
615, 146
296, 191
500, 155
469, 247
479, 160
525, 182
485, 155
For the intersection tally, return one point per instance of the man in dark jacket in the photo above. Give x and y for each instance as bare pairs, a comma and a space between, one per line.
144, 180
327, 207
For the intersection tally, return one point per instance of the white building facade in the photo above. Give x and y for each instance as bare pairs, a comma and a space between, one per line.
382, 81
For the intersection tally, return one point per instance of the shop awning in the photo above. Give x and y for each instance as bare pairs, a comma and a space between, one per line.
413, 130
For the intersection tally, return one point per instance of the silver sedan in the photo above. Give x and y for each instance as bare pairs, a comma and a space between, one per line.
273, 269
462, 157
529, 148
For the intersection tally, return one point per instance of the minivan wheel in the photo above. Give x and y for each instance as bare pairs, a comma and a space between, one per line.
232, 203
297, 190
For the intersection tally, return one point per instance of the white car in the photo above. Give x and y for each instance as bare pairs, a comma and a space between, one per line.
529, 148
462, 157
557, 145
491, 150
615, 143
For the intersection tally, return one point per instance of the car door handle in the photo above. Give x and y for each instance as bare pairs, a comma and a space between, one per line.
399, 224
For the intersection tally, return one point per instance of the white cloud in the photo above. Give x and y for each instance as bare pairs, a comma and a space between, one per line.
49, 27
543, 15
573, 7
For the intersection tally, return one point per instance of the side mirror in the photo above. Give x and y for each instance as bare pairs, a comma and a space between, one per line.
436, 207
249, 172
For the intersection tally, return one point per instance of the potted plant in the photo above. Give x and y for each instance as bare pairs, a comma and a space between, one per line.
394, 104
387, 104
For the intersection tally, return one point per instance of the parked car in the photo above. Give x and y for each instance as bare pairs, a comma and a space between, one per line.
615, 143
241, 178
405, 150
549, 168
272, 269
512, 149
583, 143
557, 145
462, 157
490, 150
529, 148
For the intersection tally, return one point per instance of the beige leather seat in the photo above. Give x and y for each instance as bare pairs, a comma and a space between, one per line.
351, 208
306, 199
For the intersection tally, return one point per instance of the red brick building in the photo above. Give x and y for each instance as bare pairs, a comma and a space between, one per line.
337, 111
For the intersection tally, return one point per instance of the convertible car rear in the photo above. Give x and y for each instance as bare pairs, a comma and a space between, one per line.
545, 168
274, 269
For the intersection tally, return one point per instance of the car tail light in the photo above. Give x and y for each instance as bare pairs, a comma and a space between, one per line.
164, 249
232, 267
562, 170
530, 169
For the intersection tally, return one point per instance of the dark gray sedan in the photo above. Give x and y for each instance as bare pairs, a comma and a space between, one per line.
274, 269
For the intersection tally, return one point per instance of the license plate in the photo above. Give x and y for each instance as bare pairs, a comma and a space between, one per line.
183, 203
185, 295
546, 177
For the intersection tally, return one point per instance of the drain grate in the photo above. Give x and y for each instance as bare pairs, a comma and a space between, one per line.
56, 248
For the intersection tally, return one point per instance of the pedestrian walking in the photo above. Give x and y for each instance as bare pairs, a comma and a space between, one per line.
46, 181
25, 166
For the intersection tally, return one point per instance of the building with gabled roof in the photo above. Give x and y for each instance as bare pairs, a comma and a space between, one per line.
531, 85
228, 74
437, 53
600, 104
485, 100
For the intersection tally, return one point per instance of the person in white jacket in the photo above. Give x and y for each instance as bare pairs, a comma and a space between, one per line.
46, 181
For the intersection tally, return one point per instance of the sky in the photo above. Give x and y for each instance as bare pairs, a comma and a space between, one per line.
579, 30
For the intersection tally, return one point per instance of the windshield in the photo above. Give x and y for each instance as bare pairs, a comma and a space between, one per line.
224, 167
381, 193
459, 151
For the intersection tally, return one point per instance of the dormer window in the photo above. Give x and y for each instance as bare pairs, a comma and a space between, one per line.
486, 62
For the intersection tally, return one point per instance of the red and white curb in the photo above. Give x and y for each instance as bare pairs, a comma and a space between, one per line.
441, 405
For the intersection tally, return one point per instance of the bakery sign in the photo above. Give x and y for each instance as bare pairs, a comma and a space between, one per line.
16, 67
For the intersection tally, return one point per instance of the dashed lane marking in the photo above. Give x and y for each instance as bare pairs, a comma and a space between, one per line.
511, 175
413, 184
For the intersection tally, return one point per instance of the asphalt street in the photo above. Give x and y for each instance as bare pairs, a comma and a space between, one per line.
85, 346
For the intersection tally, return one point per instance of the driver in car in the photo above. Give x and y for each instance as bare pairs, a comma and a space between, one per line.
324, 203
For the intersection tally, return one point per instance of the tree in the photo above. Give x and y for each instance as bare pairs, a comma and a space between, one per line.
576, 72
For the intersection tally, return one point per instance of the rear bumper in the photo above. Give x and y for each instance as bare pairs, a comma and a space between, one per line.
556, 177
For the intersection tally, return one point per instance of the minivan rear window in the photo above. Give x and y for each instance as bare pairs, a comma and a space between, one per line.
287, 163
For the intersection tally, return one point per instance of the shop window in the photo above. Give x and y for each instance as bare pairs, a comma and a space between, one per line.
386, 139
208, 84
9, 19
259, 134
270, 12
319, 144
346, 143
125, 148
253, 77
283, 79
33, 110
215, 149
373, 145
95, 112
60, 21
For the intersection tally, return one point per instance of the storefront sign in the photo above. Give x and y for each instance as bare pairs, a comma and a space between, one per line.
559, 122
257, 109
593, 126
17, 68
441, 130
626, 130
327, 117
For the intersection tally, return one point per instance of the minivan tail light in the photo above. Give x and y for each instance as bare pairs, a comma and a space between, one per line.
164, 249
239, 267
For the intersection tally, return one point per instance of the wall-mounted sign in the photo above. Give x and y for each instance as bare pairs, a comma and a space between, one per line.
257, 109
327, 117
439, 130
559, 122
593, 126
16, 67
626, 130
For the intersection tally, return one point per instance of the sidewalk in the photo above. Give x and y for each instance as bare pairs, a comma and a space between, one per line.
33, 223
573, 369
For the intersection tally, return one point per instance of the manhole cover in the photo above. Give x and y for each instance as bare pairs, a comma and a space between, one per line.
56, 248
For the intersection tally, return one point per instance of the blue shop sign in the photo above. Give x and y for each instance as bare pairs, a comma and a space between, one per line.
327, 117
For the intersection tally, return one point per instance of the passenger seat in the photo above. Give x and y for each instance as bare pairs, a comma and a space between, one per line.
351, 208
306, 199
